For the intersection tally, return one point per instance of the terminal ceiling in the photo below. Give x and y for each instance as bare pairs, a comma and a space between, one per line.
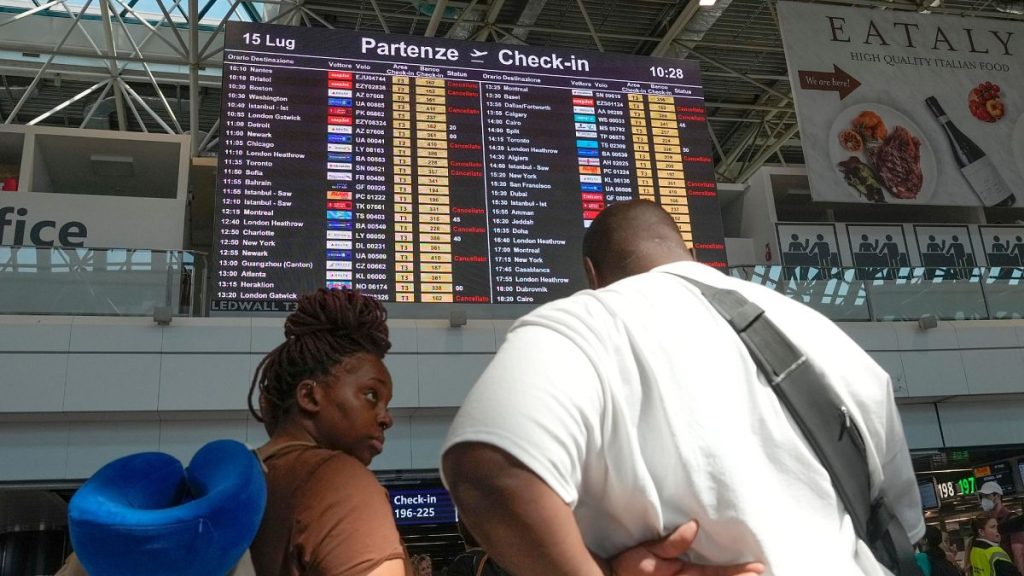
72, 62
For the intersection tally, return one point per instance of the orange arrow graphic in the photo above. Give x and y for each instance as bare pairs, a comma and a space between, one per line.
837, 81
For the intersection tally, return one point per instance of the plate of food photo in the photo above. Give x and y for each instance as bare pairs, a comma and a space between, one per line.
881, 155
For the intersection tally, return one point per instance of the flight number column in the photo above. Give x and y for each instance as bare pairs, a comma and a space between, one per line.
433, 198
401, 132
371, 192
610, 108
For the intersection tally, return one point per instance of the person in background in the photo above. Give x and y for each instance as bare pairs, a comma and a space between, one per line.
1010, 524
932, 558
618, 414
323, 398
987, 558
921, 558
422, 565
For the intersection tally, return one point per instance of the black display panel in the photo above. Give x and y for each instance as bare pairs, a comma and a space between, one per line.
929, 496
432, 171
999, 472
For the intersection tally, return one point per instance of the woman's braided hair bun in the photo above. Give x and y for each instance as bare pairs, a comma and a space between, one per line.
328, 327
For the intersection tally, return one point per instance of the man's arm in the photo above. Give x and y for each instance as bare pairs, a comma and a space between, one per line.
514, 515
528, 529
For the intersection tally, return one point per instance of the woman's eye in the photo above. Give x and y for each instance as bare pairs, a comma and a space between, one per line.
371, 396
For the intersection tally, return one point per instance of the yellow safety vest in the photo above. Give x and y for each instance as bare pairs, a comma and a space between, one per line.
983, 560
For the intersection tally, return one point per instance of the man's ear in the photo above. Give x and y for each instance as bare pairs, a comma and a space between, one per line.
307, 396
592, 280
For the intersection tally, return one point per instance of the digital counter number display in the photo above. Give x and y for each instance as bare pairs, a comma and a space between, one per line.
426, 170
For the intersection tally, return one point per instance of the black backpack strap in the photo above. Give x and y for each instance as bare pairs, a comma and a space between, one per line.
824, 421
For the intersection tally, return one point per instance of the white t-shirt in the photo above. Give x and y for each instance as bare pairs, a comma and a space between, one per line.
641, 408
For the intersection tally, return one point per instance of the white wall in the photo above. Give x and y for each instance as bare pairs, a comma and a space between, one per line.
78, 392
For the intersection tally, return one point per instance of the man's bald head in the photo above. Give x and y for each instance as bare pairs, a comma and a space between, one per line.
630, 238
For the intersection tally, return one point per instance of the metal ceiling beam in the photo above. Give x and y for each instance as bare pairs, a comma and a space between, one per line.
142, 102
461, 28
171, 24
317, 17
397, 15
53, 55
740, 106
676, 28
435, 17
738, 46
68, 102
194, 58
96, 105
144, 22
590, 25
725, 164
489, 19
756, 164
785, 98
527, 17
28, 13
772, 77
108, 32
145, 66
380, 16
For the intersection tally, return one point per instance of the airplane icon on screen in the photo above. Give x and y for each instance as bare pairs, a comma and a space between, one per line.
477, 53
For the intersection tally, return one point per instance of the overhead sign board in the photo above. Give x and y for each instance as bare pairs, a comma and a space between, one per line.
87, 221
898, 107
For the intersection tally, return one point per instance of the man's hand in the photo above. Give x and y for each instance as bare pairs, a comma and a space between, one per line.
661, 558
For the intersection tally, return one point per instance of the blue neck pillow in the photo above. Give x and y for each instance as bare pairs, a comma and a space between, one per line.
146, 514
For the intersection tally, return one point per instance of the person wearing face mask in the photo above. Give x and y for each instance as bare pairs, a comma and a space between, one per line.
987, 558
1010, 524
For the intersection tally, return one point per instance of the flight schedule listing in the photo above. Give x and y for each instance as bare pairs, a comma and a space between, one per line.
423, 170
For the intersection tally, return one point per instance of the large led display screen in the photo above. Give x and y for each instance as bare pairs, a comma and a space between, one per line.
425, 170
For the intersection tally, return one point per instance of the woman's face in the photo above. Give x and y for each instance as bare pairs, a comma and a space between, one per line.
354, 407
991, 531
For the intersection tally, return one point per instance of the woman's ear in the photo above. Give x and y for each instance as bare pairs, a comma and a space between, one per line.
307, 396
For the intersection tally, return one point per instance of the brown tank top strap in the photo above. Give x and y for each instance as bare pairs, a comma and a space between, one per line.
483, 563
281, 448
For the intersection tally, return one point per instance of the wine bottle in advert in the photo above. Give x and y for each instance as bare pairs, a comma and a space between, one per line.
977, 168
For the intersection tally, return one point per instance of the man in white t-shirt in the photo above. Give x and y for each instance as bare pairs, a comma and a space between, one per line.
615, 415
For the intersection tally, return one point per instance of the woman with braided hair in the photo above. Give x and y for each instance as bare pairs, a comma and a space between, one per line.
323, 397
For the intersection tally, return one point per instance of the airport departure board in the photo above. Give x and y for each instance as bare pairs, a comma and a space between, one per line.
434, 171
